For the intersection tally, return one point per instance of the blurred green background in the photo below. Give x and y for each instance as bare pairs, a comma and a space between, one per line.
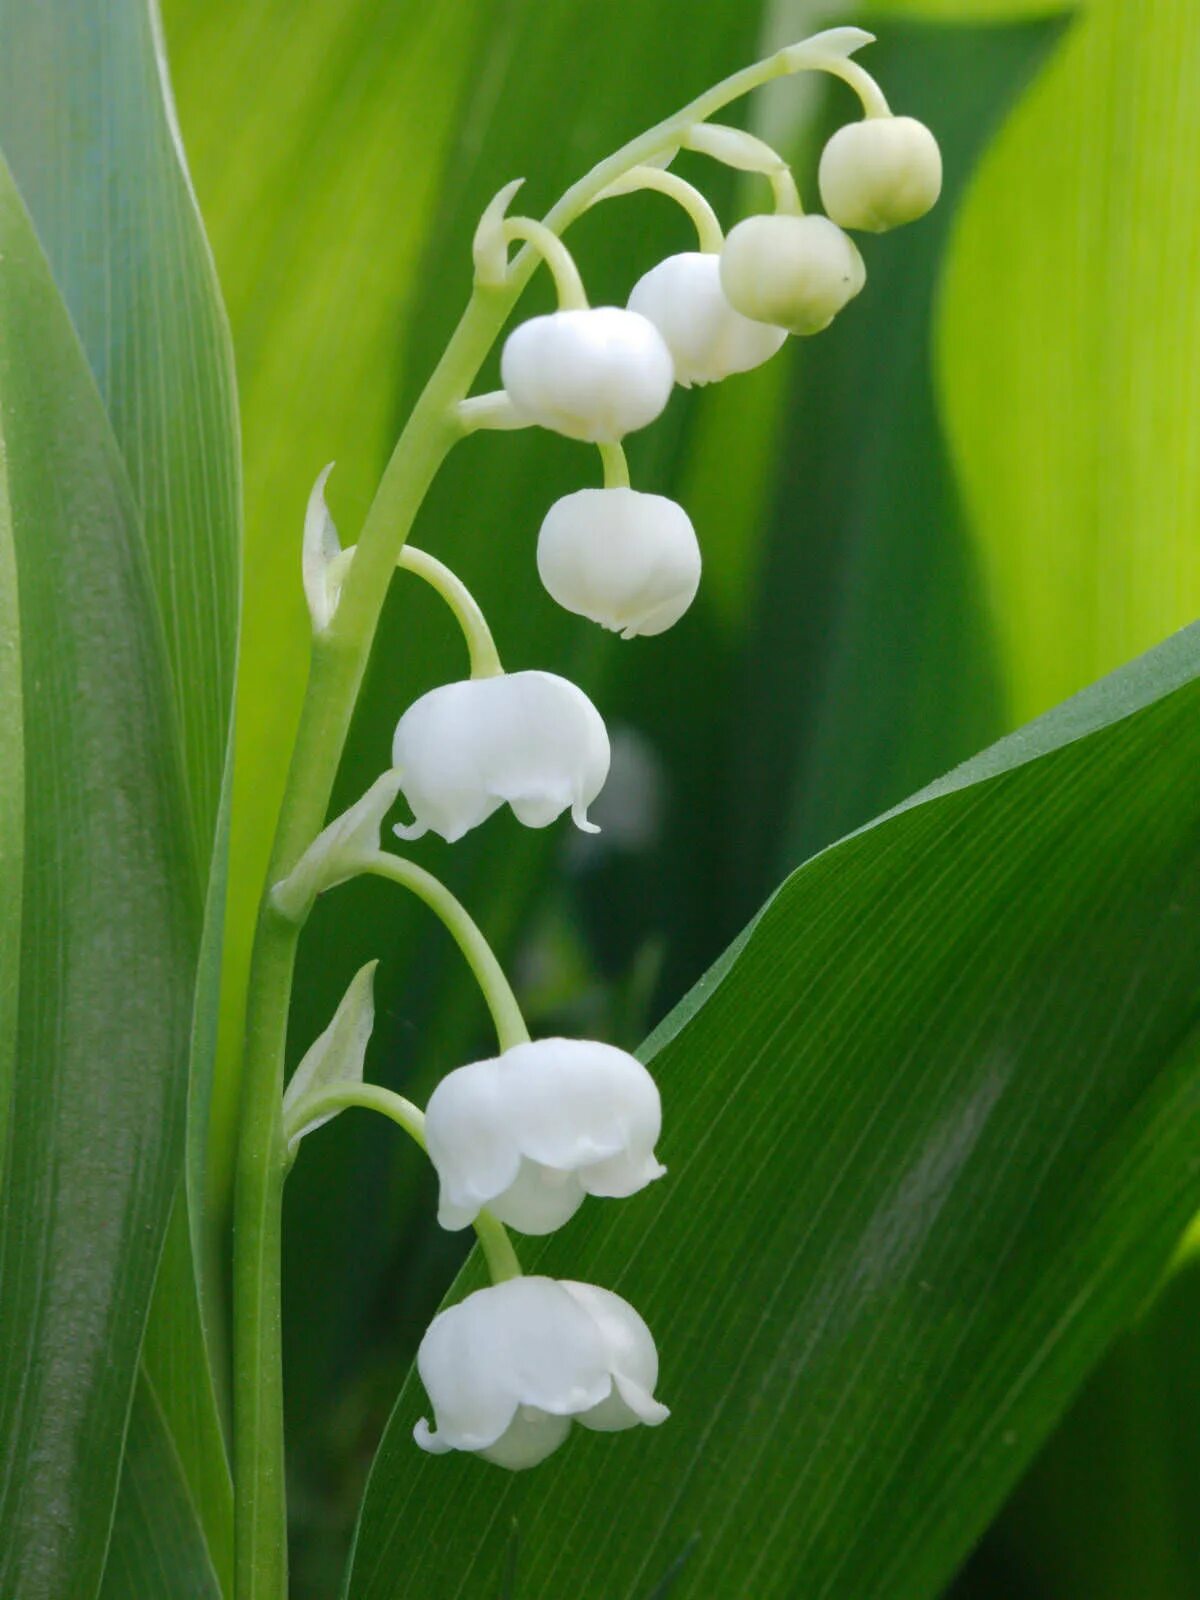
975, 494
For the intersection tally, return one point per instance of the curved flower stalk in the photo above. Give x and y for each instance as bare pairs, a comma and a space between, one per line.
535, 1129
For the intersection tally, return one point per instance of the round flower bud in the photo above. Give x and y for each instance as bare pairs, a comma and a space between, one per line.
707, 338
879, 173
627, 560
593, 375
507, 1369
527, 1134
528, 739
795, 272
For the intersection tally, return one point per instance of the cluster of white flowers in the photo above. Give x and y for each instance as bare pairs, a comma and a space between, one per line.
524, 1137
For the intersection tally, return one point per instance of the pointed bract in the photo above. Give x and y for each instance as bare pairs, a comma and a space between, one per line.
335, 1057
338, 851
320, 549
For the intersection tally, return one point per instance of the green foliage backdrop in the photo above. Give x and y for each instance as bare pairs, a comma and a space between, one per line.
931, 1122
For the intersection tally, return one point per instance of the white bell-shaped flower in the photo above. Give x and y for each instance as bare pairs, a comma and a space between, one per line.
527, 1134
527, 739
708, 340
627, 560
879, 173
509, 1367
795, 272
594, 375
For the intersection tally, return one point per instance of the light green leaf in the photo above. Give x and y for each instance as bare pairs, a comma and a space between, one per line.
87, 124
1071, 403
87, 129
931, 1133
176, 1365
158, 1548
107, 936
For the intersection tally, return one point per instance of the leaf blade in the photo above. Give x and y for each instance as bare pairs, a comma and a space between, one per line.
978, 1105
102, 1027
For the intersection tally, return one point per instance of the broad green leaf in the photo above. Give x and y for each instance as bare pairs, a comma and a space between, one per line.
1068, 409
107, 937
12, 807
1071, 402
176, 1364
88, 131
158, 1548
87, 123
1109, 1508
930, 1129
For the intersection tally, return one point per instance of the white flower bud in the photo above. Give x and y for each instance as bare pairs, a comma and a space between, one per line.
627, 560
594, 375
527, 1134
509, 1367
707, 338
879, 173
528, 739
795, 272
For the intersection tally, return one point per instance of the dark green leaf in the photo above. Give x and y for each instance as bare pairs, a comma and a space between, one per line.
931, 1137
158, 1547
107, 936
87, 128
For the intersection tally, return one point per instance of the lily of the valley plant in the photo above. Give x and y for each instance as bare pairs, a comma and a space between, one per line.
525, 1138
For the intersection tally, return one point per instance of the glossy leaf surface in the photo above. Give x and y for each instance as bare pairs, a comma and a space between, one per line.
107, 934
932, 1130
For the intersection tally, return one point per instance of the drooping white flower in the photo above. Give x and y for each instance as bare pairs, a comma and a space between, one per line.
528, 1133
795, 272
509, 1367
624, 559
527, 739
594, 375
708, 340
879, 173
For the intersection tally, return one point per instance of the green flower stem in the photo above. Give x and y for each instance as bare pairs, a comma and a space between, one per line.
493, 1237
616, 467
497, 992
567, 282
874, 102
481, 647
485, 660
492, 410
745, 152
498, 1252
338, 661
369, 1096
709, 234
